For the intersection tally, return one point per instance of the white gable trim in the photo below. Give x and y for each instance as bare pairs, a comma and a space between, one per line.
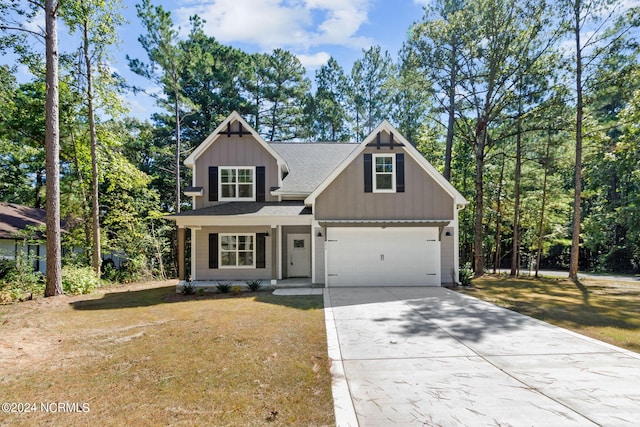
233, 117
410, 150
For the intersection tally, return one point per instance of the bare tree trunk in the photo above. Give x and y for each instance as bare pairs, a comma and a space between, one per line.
515, 249
478, 255
575, 241
177, 114
52, 149
38, 189
496, 263
86, 216
544, 202
451, 113
95, 205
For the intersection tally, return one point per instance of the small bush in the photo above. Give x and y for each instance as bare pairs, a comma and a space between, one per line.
188, 289
254, 285
236, 289
6, 267
201, 292
78, 280
466, 274
223, 287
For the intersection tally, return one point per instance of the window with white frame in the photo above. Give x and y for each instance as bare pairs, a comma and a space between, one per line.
384, 178
237, 250
237, 183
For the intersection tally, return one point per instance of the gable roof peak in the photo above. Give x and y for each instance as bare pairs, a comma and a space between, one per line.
224, 126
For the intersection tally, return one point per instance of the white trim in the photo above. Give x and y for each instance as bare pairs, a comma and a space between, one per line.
374, 173
193, 254
221, 198
279, 244
408, 148
253, 250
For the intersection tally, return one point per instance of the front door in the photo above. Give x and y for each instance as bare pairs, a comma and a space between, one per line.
299, 255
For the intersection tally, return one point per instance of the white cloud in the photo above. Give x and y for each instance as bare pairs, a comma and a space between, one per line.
292, 24
314, 61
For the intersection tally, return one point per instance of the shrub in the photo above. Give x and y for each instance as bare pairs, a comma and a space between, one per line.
188, 289
223, 287
465, 274
18, 281
78, 280
254, 285
236, 289
201, 292
6, 267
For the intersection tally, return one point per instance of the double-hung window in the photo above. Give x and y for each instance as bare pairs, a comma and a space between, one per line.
384, 177
237, 250
237, 183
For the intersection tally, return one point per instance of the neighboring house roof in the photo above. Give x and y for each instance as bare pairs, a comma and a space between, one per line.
410, 149
220, 130
251, 208
14, 218
309, 164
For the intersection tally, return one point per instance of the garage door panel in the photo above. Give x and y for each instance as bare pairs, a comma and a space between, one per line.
369, 256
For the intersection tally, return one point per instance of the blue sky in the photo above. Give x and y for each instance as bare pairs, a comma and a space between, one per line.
314, 30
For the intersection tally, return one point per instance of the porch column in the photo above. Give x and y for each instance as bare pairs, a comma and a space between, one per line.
181, 269
275, 256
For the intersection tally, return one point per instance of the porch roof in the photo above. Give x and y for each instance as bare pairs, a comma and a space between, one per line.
292, 208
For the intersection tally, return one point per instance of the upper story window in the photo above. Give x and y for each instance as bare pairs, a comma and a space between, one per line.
237, 183
384, 177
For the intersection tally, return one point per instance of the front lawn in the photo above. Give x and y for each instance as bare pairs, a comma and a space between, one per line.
602, 309
142, 355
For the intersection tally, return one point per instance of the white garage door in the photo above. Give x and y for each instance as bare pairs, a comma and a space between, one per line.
368, 256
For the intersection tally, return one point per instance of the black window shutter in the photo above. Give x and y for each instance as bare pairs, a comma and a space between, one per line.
400, 173
213, 183
261, 250
260, 184
368, 171
213, 250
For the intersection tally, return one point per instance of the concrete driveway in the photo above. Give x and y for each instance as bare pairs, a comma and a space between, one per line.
434, 357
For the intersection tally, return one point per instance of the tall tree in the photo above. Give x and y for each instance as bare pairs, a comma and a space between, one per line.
330, 99
165, 67
52, 148
371, 96
411, 96
284, 96
506, 28
97, 22
438, 42
596, 27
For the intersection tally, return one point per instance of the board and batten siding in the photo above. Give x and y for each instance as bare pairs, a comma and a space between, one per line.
345, 197
234, 151
203, 272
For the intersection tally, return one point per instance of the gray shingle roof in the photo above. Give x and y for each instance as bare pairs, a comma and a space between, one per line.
251, 208
14, 218
310, 163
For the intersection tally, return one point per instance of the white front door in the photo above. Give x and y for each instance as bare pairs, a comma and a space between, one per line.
298, 255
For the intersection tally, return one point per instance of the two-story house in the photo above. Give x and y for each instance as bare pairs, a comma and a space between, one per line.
375, 213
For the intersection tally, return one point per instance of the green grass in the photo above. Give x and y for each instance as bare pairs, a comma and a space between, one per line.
605, 310
143, 355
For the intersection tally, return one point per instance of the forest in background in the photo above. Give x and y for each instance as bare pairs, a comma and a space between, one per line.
531, 110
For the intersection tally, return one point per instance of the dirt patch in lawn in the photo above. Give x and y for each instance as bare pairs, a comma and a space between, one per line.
603, 309
143, 355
